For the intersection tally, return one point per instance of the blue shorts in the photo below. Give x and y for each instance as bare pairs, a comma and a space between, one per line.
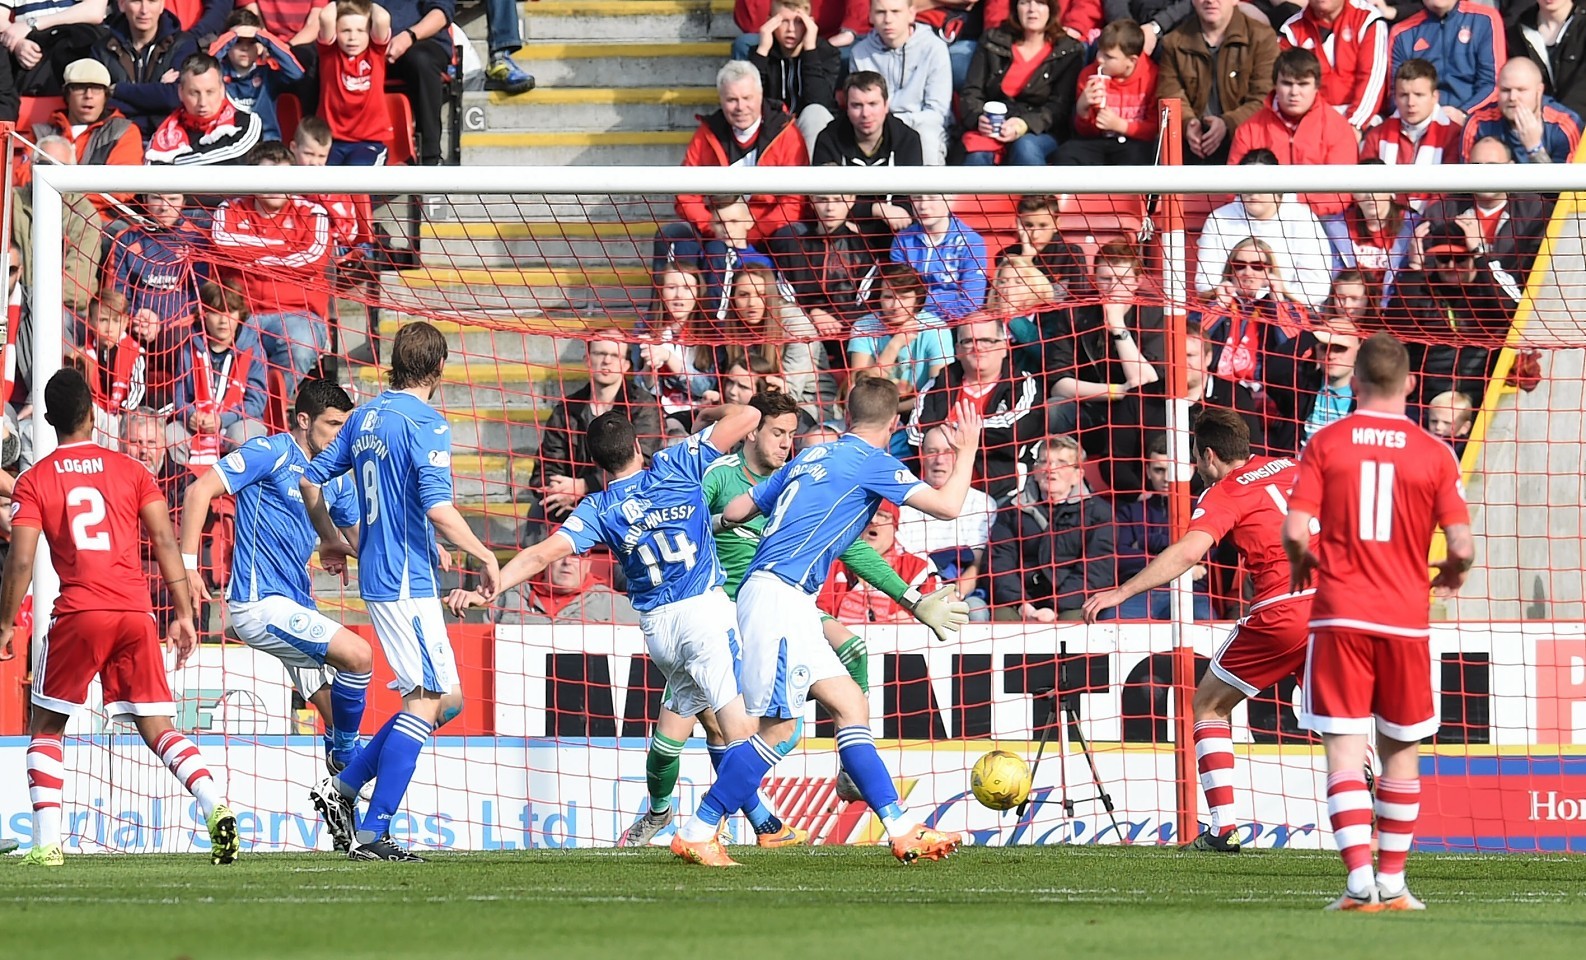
356, 153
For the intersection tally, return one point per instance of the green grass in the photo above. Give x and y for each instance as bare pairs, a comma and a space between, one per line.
984, 904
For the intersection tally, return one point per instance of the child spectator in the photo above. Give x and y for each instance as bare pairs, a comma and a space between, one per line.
1027, 66
221, 389
1116, 118
351, 225
914, 62
1378, 239
852, 600
1062, 262
353, 37
1326, 383
1449, 416
1298, 126
112, 364
798, 67
902, 341
256, 66
947, 254
671, 362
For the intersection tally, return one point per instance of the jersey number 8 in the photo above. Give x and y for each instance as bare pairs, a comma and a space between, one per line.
371, 491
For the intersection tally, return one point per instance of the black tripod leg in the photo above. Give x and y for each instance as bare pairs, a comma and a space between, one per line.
1046, 725
1072, 712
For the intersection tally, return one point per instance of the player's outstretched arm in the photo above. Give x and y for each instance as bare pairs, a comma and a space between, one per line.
1297, 544
1165, 567
963, 432
195, 511
942, 610
157, 522
451, 525
520, 568
741, 510
17, 578
1458, 559
733, 421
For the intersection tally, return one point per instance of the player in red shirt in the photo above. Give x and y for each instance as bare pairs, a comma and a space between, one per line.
87, 502
353, 38
1246, 498
1379, 484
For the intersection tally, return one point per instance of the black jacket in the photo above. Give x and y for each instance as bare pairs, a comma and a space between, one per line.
1566, 82
1453, 334
809, 78
1051, 555
1015, 423
563, 447
136, 73
834, 272
1047, 101
1122, 429
899, 147
1520, 228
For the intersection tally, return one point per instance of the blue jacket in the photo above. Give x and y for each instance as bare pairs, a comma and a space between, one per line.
1142, 530
140, 94
1465, 46
256, 90
1560, 132
158, 270
254, 394
954, 270
407, 13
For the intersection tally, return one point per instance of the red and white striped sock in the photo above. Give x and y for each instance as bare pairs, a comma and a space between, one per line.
1214, 757
46, 777
1398, 807
1349, 809
181, 756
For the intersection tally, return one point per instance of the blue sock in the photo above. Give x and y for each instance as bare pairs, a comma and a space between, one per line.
398, 757
857, 748
743, 766
757, 810
348, 693
362, 769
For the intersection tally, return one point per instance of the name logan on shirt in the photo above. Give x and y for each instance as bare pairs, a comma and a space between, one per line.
89, 465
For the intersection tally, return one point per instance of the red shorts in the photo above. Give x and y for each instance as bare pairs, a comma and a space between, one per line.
1265, 647
122, 647
1353, 678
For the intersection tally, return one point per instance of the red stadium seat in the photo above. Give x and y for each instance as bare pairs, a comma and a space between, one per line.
276, 406
402, 148
992, 215
37, 110
288, 114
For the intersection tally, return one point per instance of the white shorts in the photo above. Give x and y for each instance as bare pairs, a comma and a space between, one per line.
413, 635
784, 647
695, 644
296, 635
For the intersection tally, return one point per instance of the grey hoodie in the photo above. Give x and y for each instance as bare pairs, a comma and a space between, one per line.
919, 74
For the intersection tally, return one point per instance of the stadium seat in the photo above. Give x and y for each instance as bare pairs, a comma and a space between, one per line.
401, 148
37, 110
288, 114
452, 94
276, 405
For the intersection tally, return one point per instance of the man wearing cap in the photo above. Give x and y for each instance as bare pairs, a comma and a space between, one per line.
142, 45
1507, 227
97, 131
1453, 309
1326, 390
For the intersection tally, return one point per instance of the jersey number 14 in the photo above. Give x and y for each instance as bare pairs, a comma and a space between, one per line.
680, 550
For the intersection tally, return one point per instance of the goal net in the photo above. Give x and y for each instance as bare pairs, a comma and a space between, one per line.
1092, 313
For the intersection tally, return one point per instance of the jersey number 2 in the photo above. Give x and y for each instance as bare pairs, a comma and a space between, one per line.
1376, 502
680, 550
87, 507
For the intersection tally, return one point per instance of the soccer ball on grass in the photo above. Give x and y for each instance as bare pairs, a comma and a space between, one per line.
1000, 780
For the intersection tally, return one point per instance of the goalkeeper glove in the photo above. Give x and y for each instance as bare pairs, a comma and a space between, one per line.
942, 611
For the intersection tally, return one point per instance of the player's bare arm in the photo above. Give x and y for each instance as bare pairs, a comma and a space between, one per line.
947, 501
1165, 567
526, 565
451, 525
1297, 544
1457, 561
733, 421
741, 510
183, 634
18, 577
195, 510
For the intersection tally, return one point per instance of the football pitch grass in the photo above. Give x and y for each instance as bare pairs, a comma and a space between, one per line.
840, 902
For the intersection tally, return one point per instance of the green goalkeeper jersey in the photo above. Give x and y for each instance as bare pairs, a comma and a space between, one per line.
730, 476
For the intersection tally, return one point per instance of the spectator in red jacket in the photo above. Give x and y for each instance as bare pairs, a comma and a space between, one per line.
1350, 39
1420, 131
852, 600
1298, 126
97, 131
1116, 115
278, 247
745, 132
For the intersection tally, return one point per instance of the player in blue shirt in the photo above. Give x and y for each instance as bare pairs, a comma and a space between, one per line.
398, 448
658, 525
817, 505
269, 601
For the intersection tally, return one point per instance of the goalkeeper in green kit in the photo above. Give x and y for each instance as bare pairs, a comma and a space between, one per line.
763, 452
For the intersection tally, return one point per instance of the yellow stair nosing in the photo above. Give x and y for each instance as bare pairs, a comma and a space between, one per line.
525, 277
525, 326
604, 138
575, 50
546, 96
623, 8
540, 230
512, 373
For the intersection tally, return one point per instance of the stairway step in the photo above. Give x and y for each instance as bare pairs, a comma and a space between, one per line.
564, 109
478, 243
625, 19
605, 64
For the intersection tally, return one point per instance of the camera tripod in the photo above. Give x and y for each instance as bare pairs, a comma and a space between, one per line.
1064, 698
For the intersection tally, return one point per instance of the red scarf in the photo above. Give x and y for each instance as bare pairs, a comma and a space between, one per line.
1237, 362
110, 396
227, 384
177, 133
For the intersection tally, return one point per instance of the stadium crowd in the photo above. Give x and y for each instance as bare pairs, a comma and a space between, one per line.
1045, 310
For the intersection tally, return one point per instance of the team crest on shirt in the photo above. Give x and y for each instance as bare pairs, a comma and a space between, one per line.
1199, 512
1464, 34
1349, 35
318, 631
902, 476
234, 461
